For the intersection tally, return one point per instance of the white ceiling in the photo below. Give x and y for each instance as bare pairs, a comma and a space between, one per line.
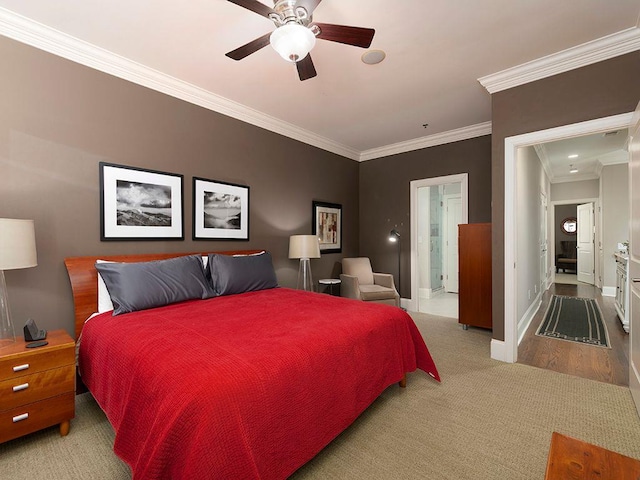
436, 53
589, 154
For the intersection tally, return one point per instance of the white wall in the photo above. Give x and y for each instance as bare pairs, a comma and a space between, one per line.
531, 181
561, 192
615, 216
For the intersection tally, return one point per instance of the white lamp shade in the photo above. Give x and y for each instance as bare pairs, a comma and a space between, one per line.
17, 244
292, 41
304, 246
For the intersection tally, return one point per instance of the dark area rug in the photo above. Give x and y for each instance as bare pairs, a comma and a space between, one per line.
574, 319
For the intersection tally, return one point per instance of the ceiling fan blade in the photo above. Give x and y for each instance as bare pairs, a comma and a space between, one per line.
254, 6
356, 36
251, 47
306, 70
308, 5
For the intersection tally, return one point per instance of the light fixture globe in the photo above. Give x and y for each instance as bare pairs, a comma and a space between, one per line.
292, 41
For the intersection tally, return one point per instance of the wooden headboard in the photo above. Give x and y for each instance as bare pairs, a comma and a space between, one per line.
84, 278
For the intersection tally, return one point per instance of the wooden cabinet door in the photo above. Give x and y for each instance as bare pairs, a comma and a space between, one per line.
474, 297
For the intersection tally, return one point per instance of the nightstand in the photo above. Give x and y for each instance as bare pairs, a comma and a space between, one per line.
331, 282
37, 386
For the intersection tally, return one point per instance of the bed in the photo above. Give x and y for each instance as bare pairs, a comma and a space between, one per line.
247, 385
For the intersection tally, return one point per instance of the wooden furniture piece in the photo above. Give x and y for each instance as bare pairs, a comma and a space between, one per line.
474, 264
574, 459
37, 386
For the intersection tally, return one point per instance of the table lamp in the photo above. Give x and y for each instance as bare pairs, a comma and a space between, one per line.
17, 250
304, 247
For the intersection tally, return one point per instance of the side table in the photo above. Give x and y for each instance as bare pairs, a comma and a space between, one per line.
37, 386
331, 282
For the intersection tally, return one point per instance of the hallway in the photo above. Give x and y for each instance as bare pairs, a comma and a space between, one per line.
610, 365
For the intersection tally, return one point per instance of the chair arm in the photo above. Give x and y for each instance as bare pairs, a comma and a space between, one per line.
349, 287
384, 279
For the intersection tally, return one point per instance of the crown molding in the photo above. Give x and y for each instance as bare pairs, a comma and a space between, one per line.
541, 151
53, 41
604, 48
465, 133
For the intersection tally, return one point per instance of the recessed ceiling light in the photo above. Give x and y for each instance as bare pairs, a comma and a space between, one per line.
572, 169
573, 155
373, 57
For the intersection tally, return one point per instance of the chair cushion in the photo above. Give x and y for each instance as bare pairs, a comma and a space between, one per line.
358, 267
376, 292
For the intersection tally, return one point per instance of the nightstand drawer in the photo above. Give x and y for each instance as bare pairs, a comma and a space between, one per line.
37, 386
22, 420
33, 361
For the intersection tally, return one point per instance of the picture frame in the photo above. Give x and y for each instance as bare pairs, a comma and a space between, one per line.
220, 210
327, 225
140, 204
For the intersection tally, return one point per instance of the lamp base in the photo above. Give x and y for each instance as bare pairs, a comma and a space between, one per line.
305, 280
7, 334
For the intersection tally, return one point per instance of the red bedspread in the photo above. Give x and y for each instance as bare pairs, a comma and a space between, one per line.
244, 386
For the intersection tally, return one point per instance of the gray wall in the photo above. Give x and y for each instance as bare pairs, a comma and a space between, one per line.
59, 119
614, 182
385, 196
595, 91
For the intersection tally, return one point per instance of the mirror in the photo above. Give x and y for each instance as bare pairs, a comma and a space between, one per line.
569, 225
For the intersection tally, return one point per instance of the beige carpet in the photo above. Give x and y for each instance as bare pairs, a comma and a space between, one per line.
486, 420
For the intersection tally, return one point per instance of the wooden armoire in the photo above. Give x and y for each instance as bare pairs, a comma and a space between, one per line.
474, 265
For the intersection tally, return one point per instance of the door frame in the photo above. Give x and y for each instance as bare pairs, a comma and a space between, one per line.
463, 180
446, 239
552, 239
507, 350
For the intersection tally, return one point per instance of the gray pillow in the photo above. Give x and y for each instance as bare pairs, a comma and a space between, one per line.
142, 285
231, 275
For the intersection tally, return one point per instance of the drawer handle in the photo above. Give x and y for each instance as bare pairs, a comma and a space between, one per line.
24, 386
635, 280
19, 368
19, 418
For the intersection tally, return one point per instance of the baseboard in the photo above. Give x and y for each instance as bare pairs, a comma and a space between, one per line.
499, 351
408, 304
527, 318
608, 291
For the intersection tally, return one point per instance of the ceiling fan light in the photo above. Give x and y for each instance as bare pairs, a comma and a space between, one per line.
292, 41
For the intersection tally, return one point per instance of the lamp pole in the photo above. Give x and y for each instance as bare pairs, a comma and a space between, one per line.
394, 236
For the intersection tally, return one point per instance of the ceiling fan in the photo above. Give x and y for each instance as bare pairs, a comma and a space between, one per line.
295, 34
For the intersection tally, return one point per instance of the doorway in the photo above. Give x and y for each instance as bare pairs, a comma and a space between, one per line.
507, 349
438, 205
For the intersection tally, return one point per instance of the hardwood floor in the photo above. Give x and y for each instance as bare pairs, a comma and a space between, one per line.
610, 365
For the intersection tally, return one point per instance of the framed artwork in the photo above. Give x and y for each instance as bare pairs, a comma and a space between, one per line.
220, 210
139, 204
327, 225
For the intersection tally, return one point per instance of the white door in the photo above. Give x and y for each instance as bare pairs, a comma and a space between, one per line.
634, 259
453, 215
544, 271
586, 234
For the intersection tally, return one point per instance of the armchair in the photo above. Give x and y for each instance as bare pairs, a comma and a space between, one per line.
360, 282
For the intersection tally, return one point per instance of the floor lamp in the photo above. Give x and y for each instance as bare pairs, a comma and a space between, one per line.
17, 250
394, 236
304, 247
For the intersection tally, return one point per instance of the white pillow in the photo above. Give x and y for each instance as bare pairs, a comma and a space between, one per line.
104, 299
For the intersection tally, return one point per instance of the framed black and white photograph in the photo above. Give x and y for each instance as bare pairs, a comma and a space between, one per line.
139, 204
327, 225
220, 210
